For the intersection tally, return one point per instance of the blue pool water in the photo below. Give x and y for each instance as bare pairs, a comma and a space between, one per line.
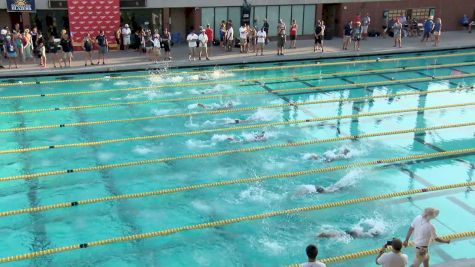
275, 241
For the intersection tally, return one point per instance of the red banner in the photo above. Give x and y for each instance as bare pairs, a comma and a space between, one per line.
91, 16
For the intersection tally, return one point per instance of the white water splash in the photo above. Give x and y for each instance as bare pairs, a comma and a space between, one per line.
142, 150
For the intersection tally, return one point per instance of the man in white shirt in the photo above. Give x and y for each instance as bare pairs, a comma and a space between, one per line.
126, 36
192, 38
229, 36
203, 44
394, 258
312, 252
261, 40
424, 233
364, 25
243, 37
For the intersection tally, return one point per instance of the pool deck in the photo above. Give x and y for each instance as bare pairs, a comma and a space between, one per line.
123, 61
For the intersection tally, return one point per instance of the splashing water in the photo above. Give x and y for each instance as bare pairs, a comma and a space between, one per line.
142, 150
350, 179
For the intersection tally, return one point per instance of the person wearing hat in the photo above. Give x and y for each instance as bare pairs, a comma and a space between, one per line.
280, 37
423, 232
428, 27
203, 44
126, 32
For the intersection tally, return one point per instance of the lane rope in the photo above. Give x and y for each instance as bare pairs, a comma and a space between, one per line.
251, 179
250, 81
149, 161
227, 129
132, 103
134, 119
318, 64
375, 251
212, 224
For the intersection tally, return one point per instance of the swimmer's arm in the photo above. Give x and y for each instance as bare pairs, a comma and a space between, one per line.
440, 240
408, 235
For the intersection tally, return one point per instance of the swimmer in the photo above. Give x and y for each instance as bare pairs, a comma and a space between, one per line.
309, 189
352, 233
228, 105
336, 154
260, 136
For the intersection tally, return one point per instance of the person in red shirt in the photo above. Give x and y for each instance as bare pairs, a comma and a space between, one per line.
357, 18
293, 34
209, 34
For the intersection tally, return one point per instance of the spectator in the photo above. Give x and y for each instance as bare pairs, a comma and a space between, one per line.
280, 37
356, 36
27, 45
149, 46
293, 34
364, 25
18, 40
465, 21
40, 43
437, 31
318, 36
424, 233
87, 46
394, 258
156, 47
209, 34
54, 47
428, 27
397, 29
357, 18
3, 39
166, 41
312, 253
266, 30
222, 34
385, 27
67, 48
347, 35
101, 40
203, 44
414, 28
229, 38
192, 39
10, 51
126, 32
243, 38
252, 39
261, 40
118, 38
34, 39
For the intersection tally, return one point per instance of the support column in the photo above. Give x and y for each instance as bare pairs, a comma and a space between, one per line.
197, 18
166, 18
25, 20
319, 15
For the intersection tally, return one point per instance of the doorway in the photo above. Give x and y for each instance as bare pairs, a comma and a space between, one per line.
329, 16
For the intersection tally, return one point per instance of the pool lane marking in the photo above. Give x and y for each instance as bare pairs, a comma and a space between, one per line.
194, 84
436, 148
365, 253
226, 129
426, 183
318, 64
212, 112
185, 99
209, 154
255, 217
250, 179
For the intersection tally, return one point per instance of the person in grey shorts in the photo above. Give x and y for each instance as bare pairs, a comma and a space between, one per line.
280, 37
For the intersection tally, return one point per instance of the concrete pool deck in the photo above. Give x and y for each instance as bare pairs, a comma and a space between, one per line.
123, 61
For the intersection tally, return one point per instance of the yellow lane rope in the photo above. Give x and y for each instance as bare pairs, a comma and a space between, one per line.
377, 250
151, 161
318, 64
226, 129
260, 79
212, 224
251, 179
235, 110
225, 95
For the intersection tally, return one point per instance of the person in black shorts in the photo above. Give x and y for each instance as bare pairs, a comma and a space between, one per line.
87, 46
166, 39
318, 36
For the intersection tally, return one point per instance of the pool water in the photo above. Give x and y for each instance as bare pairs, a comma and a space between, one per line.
274, 241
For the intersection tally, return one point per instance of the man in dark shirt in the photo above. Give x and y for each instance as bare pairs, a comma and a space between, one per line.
67, 48
103, 45
266, 29
318, 36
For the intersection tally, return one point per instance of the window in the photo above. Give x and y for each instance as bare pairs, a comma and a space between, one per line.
396, 13
419, 13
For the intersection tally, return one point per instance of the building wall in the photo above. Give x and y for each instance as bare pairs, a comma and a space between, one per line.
450, 14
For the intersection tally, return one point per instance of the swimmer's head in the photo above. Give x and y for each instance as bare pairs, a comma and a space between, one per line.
346, 151
320, 189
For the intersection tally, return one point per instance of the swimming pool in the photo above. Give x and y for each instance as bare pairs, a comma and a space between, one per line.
214, 144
